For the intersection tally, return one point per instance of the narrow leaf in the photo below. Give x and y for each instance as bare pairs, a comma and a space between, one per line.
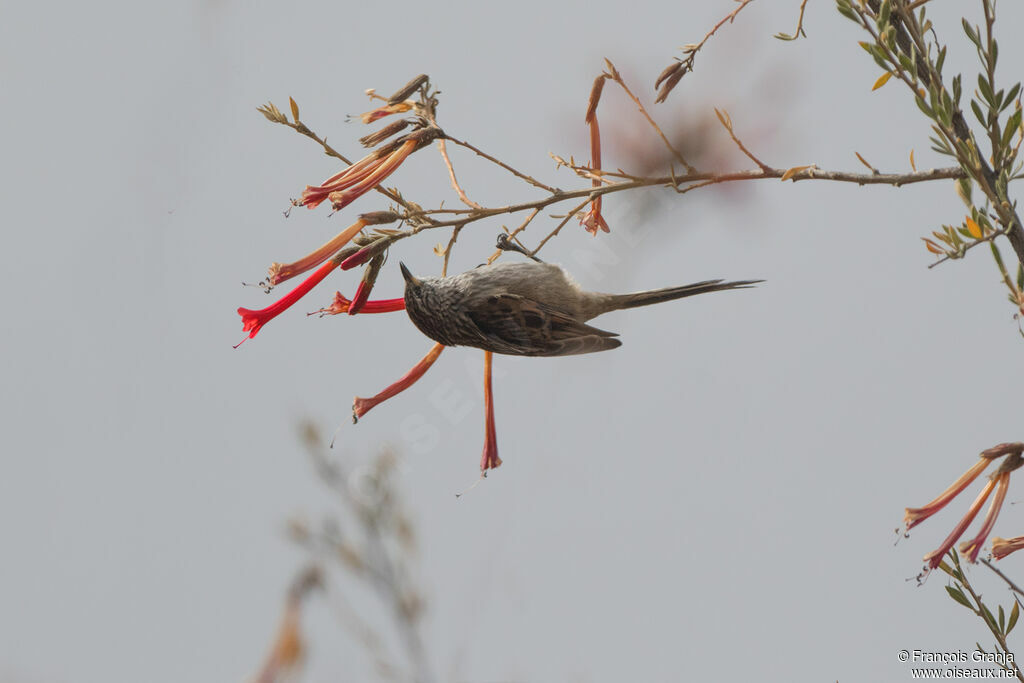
1014, 615
882, 80
793, 171
295, 110
958, 595
973, 228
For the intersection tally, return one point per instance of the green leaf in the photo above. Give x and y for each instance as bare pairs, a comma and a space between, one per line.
883, 15
1014, 615
1002, 620
923, 106
1011, 96
957, 89
1012, 124
958, 596
847, 12
976, 108
940, 60
988, 616
997, 255
972, 35
986, 89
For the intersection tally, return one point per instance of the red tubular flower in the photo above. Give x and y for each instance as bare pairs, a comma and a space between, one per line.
999, 482
253, 321
343, 305
386, 110
973, 547
489, 460
279, 272
343, 188
915, 516
934, 558
592, 220
361, 406
360, 257
1001, 547
360, 298
385, 166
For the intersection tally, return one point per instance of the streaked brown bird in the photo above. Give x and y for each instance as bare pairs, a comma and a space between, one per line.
526, 309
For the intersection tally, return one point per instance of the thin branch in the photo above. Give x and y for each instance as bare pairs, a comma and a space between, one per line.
674, 72
532, 181
980, 612
726, 121
448, 250
1013, 587
809, 173
301, 128
799, 25
959, 253
615, 76
559, 227
455, 183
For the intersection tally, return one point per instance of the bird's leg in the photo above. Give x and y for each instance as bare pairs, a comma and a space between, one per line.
489, 460
505, 244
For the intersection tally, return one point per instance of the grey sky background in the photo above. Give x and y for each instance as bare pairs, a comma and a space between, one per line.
717, 498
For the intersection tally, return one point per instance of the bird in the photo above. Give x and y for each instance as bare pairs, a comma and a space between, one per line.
526, 309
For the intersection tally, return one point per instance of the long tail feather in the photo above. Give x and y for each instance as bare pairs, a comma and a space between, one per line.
656, 296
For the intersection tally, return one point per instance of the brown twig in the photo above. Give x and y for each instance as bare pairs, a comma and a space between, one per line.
451, 243
967, 247
809, 173
614, 74
518, 174
558, 228
979, 609
674, 72
726, 121
799, 25
299, 127
455, 183
1013, 587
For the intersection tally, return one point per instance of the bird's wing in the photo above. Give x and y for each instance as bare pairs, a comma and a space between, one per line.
525, 327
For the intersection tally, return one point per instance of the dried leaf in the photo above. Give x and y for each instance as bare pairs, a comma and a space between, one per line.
295, 109
724, 117
794, 171
932, 247
882, 80
912, 161
667, 73
865, 162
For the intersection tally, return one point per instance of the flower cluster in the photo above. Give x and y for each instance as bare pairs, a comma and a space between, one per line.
352, 248
998, 482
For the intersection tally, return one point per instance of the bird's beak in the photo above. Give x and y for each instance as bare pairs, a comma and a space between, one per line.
410, 279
